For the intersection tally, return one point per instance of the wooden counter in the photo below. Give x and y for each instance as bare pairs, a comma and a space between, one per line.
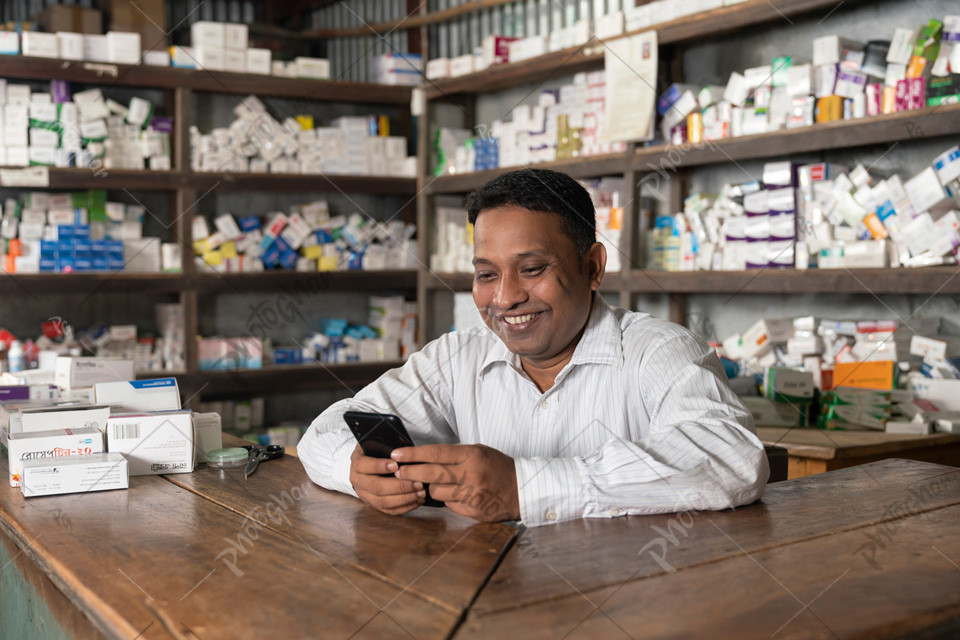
818, 450
210, 555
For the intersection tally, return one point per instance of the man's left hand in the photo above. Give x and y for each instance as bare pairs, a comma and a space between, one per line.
472, 479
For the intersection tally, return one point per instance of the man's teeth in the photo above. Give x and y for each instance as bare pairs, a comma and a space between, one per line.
519, 319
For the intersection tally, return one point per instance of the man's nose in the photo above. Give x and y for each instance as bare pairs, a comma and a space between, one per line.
510, 291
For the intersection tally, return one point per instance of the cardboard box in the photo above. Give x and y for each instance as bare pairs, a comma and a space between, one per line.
788, 385
76, 416
943, 393
865, 375
76, 474
80, 372
154, 443
40, 45
208, 434
123, 47
259, 61
763, 334
235, 36
160, 394
23, 392
53, 443
71, 45
72, 18
208, 34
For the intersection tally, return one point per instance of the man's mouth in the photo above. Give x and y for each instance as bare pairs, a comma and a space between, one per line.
521, 319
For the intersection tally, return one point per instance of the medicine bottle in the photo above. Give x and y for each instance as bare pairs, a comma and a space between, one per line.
15, 357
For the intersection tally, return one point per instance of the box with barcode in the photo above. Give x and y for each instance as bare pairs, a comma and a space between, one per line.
154, 443
54, 443
79, 474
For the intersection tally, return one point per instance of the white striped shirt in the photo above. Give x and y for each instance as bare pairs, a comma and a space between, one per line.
640, 420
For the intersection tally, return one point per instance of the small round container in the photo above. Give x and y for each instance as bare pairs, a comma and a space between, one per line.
225, 458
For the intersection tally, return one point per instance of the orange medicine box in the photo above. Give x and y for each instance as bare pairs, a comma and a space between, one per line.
865, 375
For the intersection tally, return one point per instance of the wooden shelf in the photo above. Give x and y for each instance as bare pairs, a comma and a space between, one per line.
305, 283
117, 179
925, 281
842, 134
700, 26
459, 282
305, 183
285, 379
75, 178
582, 168
88, 283
126, 75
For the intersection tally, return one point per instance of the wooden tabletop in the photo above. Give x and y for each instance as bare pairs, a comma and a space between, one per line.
211, 555
863, 552
828, 444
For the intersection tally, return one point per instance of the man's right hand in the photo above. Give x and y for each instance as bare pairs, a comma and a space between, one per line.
387, 494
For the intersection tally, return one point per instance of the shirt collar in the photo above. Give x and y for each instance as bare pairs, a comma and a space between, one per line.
600, 342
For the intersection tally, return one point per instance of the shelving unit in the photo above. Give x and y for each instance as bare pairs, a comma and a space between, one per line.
185, 186
640, 160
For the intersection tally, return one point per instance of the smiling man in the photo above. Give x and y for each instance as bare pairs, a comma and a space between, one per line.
563, 407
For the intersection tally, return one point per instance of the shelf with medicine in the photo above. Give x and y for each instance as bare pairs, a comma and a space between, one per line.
677, 165
193, 98
589, 53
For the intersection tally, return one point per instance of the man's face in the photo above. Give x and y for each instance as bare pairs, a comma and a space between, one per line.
529, 285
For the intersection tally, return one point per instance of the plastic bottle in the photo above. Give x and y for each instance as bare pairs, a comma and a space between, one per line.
15, 357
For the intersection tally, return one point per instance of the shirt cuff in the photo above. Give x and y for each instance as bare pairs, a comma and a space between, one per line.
341, 466
549, 490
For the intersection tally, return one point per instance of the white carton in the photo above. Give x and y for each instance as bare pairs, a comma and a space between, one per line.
160, 394
123, 47
208, 435
317, 68
41, 45
79, 372
943, 393
76, 474
259, 61
54, 443
81, 416
208, 34
71, 45
763, 334
153, 443
235, 36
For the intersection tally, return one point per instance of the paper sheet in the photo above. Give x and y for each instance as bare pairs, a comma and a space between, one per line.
631, 66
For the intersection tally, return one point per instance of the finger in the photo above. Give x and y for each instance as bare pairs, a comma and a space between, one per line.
438, 453
429, 473
394, 505
373, 466
388, 486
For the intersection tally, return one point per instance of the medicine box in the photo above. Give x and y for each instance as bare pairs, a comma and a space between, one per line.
208, 435
78, 474
160, 394
154, 443
78, 372
53, 443
28, 392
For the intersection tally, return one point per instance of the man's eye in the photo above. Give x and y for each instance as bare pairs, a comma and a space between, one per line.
532, 271
483, 276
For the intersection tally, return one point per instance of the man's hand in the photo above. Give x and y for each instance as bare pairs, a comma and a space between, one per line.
387, 494
472, 479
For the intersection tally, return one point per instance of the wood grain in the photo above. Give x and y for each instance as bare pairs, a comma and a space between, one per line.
828, 444
156, 554
418, 552
592, 554
820, 588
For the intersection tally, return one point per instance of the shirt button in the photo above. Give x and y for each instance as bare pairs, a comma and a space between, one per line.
614, 512
544, 404
551, 515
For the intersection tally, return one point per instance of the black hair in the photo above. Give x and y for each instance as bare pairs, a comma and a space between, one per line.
545, 191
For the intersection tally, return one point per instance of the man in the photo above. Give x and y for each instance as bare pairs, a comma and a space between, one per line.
562, 407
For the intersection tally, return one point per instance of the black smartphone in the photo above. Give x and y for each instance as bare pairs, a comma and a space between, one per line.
379, 434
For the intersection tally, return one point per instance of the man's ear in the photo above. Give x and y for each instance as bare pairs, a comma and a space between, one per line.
595, 263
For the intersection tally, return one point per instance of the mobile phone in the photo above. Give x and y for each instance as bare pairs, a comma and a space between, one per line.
378, 435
